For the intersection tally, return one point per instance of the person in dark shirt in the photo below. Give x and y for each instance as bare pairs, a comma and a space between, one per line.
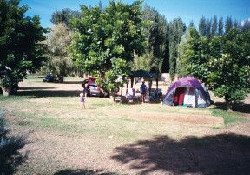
86, 90
143, 91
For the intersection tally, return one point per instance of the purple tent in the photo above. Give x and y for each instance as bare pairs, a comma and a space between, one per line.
200, 96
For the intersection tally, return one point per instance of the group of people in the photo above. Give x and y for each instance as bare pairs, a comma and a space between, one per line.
83, 95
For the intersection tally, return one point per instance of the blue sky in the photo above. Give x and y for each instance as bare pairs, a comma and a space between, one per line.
186, 9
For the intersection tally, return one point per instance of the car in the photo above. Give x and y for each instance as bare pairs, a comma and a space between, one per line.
51, 78
95, 90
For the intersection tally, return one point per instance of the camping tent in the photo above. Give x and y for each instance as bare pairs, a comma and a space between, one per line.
187, 91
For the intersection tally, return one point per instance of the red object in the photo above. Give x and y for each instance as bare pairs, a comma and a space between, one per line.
91, 79
179, 96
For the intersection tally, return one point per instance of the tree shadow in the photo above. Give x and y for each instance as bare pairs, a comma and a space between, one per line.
71, 82
240, 107
48, 93
83, 172
219, 154
10, 149
33, 88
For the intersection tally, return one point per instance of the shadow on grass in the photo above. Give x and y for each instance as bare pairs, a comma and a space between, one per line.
33, 88
71, 82
240, 107
219, 154
47, 93
83, 172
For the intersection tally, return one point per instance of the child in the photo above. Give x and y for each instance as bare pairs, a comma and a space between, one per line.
82, 100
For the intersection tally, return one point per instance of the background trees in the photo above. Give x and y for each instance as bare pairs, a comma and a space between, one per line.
64, 16
176, 30
156, 33
57, 42
20, 43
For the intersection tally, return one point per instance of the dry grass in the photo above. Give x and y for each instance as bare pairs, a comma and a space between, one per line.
107, 137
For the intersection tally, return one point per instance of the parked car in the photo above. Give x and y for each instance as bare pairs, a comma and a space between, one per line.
51, 78
93, 89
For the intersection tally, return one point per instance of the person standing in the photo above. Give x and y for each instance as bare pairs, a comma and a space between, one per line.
143, 91
85, 90
82, 100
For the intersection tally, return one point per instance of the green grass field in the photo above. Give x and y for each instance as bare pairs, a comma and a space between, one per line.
65, 138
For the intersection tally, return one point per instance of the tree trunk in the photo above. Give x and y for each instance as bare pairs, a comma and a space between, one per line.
6, 91
112, 96
229, 105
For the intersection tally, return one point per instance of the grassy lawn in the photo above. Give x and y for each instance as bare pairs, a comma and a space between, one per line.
121, 138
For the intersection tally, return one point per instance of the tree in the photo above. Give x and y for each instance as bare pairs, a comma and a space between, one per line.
220, 27
58, 40
214, 31
203, 26
209, 28
64, 16
107, 40
245, 25
156, 36
229, 24
20, 43
176, 30
192, 54
221, 62
230, 73
191, 24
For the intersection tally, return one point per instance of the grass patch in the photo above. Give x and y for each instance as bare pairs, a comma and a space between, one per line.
229, 117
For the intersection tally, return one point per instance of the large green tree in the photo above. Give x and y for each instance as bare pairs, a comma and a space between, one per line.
107, 40
230, 73
20, 46
221, 62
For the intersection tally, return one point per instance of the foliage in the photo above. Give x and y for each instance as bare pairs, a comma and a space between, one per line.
64, 16
176, 30
57, 42
9, 149
228, 24
20, 46
221, 62
220, 27
203, 26
157, 38
106, 40
143, 62
230, 73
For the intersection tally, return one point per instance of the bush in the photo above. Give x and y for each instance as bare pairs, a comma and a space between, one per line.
9, 149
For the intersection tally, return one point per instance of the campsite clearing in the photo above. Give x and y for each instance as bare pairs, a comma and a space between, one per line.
122, 138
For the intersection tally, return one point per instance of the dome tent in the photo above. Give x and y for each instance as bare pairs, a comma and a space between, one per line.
187, 91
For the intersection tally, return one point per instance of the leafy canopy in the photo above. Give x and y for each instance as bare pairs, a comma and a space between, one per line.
222, 62
106, 41
20, 47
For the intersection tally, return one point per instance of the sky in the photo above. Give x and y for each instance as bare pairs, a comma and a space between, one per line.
187, 10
